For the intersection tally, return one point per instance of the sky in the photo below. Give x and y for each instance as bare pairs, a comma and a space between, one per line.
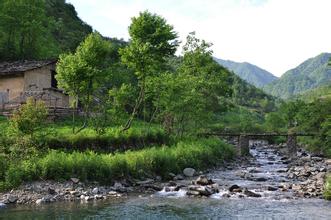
276, 35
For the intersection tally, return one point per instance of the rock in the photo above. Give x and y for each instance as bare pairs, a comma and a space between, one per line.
147, 181
171, 175
12, 199
74, 180
82, 197
192, 193
158, 178
226, 195
233, 187
171, 183
317, 159
271, 188
40, 201
203, 181
261, 179
237, 190
179, 177
51, 191
2, 205
118, 185
250, 193
328, 162
189, 172
95, 190
89, 198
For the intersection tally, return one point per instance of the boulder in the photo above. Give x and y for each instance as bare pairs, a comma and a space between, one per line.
271, 188
12, 199
233, 187
179, 177
203, 181
250, 193
189, 172
2, 205
40, 201
95, 190
74, 180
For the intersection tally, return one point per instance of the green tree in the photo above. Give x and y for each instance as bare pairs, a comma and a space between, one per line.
152, 42
26, 30
83, 74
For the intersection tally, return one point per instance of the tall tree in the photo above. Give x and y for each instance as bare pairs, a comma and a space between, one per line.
152, 42
83, 73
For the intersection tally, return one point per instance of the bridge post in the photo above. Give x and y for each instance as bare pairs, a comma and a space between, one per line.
243, 145
292, 144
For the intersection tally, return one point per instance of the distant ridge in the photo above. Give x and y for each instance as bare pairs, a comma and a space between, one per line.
248, 72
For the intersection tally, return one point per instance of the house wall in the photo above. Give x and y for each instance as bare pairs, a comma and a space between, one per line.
12, 85
38, 79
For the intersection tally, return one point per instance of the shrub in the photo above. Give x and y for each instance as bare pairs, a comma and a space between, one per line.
30, 117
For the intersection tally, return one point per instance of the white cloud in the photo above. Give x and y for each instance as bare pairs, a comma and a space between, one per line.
274, 34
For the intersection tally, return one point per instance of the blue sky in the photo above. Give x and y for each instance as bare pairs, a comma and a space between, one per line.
274, 34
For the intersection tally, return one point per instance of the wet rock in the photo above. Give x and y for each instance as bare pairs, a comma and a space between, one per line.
233, 187
189, 172
74, 180
192, 193
171, 183
40, 201
250, 193
226, 195
51, 191
179, 177
2, 205
95, 190
271, 188
12, 199
147, 181
203, 181
88, 198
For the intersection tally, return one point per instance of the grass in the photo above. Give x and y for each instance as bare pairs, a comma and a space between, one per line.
59, 135
327, 191
105, 168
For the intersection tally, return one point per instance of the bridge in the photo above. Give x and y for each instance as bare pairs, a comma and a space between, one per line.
243, 139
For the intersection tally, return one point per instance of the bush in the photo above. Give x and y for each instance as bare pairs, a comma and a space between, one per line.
29, 117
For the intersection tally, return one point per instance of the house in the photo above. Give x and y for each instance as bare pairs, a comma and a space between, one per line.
22, 79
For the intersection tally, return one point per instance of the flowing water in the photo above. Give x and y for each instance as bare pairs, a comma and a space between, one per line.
267, 165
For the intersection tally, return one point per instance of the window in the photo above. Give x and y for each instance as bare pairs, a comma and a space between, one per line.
53, 80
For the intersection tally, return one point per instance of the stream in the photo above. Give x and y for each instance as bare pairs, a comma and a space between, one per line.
266, 174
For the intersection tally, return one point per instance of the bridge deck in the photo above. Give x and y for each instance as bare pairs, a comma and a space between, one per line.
259, 134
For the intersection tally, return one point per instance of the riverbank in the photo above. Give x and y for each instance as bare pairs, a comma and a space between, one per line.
120, 170
268, 174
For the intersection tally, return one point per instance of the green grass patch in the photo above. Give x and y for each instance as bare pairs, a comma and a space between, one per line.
105, 168
327, 190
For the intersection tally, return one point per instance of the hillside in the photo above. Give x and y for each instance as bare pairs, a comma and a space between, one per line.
39, 29
311, 74
313, 94
248, 72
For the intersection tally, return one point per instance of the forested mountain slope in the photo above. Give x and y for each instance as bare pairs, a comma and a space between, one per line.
248, 72
311, 74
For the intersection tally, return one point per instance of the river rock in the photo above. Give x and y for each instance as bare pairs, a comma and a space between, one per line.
12, 199
271, 188
203, 181
189, 172
250, 193
95, 190
171, 183
233, 187
179, 177
2, 205
147, 181
74, 180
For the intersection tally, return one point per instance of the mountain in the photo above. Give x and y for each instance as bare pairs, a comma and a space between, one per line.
313, 94
310, 74
248, 72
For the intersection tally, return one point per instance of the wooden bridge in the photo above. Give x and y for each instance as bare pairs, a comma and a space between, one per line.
243, 139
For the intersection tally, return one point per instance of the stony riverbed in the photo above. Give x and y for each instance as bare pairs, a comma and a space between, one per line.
269, 173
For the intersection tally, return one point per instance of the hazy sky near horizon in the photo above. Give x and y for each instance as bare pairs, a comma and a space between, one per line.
276, 35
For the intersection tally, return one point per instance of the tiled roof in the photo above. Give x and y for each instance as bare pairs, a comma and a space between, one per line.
8, 68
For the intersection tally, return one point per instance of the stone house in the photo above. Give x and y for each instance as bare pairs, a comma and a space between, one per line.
22, 79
